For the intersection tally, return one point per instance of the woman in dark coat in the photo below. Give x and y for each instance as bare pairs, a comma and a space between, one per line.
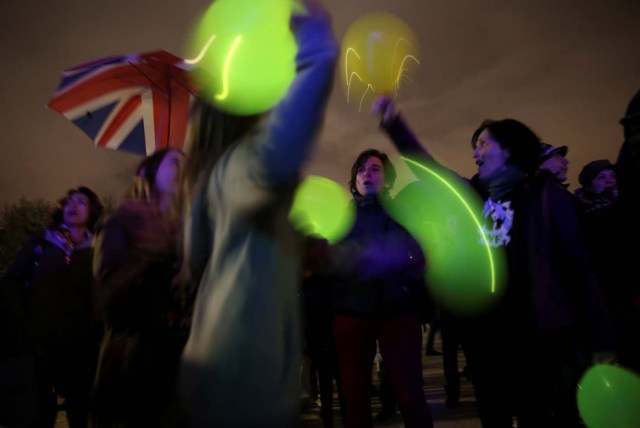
52, 281
528, 352
135, 263
382, 300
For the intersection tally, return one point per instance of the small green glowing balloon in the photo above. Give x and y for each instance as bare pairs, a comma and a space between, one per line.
244, 54
609, 396
465, 275
322, 207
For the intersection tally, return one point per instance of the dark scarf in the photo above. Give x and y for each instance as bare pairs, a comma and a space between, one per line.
501, 184
370, 200
593, 203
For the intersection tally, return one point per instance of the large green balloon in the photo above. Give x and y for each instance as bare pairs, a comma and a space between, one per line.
244, 54
609, 396
465, 274
322, 207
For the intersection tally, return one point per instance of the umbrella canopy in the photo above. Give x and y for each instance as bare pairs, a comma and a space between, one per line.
138, 103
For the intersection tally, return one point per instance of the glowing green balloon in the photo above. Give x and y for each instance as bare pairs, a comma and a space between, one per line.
244, 54
609, 396
465, 275
322, 207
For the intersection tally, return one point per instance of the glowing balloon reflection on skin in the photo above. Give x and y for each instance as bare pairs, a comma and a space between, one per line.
376, 51
465, 274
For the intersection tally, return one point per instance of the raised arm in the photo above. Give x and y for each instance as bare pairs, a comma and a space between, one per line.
293, 124
398, 130
405, 141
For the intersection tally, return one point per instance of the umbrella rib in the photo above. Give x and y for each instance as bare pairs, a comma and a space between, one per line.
160, 89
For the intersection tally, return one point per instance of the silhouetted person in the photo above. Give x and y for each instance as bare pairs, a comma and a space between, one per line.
628, 177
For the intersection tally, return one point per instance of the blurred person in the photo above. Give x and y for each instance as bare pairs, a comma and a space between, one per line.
628, 180
136, 263
434, 327
51, 287
628, 161
242, 253
528, 352
554, 159
320, 343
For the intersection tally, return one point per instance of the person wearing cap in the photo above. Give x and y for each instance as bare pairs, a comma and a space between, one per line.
554, 159
599, 186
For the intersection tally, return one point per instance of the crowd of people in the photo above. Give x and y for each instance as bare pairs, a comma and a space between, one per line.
197, 294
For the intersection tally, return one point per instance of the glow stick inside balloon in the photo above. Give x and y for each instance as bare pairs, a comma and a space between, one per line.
465, 274
322, 207
244, 54
378, 51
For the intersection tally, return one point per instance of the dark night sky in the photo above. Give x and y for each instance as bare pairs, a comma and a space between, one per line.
567, 68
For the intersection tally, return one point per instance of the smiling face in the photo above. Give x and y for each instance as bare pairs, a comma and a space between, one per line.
370, 178
490, 157
75, 212
558, 165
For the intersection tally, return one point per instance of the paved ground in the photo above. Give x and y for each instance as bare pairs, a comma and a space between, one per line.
462, 416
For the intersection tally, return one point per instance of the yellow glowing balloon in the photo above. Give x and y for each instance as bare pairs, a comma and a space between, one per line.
378, 51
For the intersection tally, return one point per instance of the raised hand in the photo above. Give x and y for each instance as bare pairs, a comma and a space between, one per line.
385, 107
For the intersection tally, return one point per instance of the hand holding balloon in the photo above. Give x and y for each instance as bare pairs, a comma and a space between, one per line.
384, 107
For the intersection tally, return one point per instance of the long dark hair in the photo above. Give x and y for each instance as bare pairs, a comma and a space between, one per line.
215, 131
145, 186
96, 208
524, 145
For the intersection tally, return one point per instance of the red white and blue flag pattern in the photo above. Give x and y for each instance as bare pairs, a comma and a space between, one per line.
138, 103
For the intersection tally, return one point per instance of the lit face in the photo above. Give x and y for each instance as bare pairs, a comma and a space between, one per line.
606, 179
490, 157
75, 212
558, 165
370, 177
169, 173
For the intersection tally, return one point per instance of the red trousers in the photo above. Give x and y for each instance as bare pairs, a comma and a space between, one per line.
400, 342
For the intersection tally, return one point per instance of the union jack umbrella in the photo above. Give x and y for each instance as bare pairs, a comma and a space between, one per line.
138, 103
